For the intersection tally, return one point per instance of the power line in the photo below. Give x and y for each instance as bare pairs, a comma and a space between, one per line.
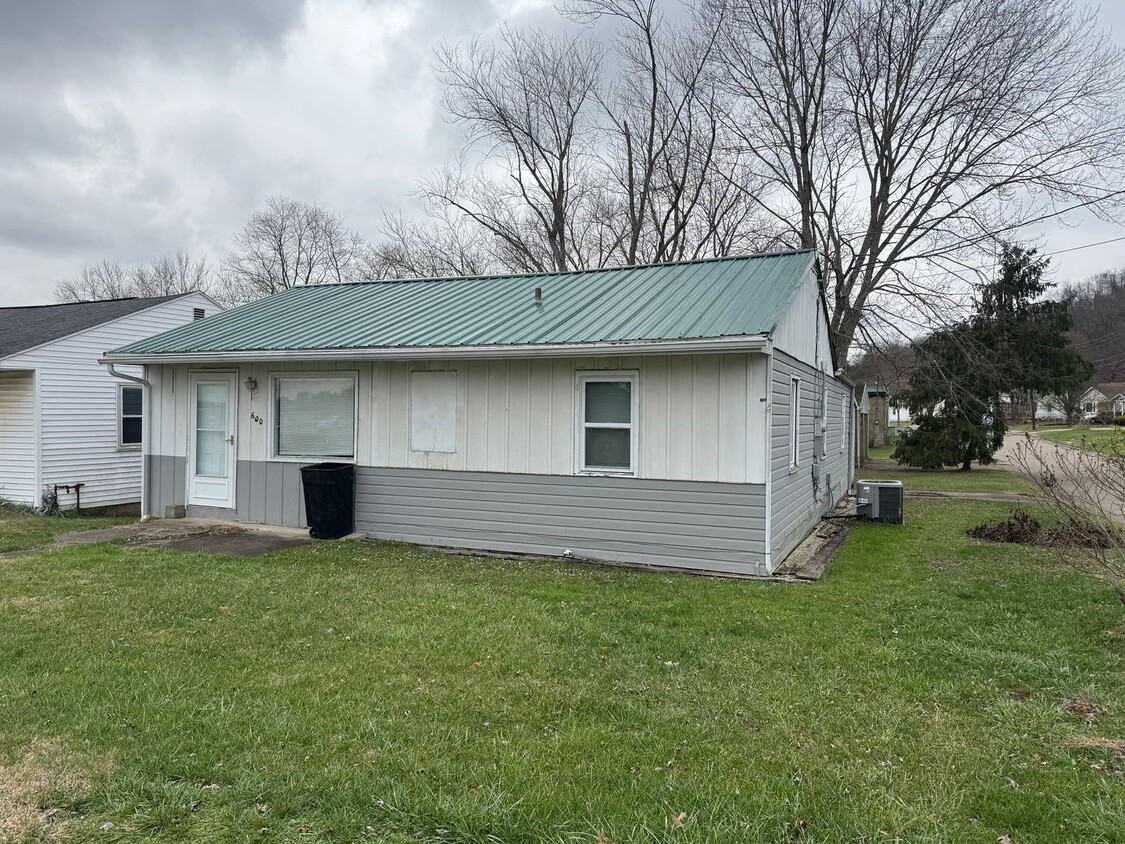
1085, 246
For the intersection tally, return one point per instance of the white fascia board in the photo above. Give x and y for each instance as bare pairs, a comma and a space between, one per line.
746, 343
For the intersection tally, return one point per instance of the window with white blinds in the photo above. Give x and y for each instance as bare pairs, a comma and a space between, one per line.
607, 436
314, 416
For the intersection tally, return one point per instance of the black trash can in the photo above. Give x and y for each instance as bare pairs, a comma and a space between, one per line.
329, 499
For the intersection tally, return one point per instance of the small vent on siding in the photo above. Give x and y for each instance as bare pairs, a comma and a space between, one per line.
198, 313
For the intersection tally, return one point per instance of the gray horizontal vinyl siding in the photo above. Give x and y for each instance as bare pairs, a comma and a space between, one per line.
265, 493
795, 503
696, 525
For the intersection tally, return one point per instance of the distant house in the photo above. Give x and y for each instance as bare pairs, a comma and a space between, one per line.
64, 419
684, 415
1104, 401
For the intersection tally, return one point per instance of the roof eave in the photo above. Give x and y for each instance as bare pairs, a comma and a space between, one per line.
742, 343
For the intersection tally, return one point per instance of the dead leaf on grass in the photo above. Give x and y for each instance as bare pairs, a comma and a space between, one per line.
602, 838
46, 771
1087, 710
1114, 746
678, 820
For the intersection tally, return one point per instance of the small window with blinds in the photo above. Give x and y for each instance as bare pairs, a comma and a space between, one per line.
314, 416
130, 403
607, 423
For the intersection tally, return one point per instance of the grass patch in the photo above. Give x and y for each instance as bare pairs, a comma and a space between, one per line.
979, 479
360, 691
18, 529
1096, 438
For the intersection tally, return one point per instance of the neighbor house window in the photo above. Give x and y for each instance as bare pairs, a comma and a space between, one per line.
131, 403
314, 416
607, 429
794, 423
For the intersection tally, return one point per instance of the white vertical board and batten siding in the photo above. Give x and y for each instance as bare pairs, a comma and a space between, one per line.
518, 417
18, 481
78, 405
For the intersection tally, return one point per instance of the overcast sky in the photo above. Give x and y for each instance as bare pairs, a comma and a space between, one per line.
132, 128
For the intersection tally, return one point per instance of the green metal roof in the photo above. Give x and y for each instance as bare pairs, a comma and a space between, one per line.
711, 298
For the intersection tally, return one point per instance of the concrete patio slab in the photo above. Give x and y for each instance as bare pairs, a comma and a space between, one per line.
198, 535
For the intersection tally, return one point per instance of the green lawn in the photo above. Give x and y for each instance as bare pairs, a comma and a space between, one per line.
366, 692
1097, 438
18, 530
978, 479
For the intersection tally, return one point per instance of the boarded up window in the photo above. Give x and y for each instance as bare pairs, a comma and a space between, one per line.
433, 411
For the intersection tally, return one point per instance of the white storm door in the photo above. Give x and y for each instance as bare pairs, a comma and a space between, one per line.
211, 455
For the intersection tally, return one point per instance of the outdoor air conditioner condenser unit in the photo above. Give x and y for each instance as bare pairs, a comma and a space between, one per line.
879, 501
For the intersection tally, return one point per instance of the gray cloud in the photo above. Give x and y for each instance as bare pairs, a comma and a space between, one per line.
132, 128
66, 40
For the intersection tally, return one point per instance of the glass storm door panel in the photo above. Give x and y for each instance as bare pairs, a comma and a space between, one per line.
211, 461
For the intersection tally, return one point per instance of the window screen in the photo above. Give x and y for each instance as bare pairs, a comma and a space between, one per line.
132, 415
607, 425
314, 417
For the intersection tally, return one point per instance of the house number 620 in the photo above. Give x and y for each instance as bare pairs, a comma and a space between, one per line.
254, 416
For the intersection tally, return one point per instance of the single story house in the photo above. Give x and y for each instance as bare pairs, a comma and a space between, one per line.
1104, 401
686, 415
64, 419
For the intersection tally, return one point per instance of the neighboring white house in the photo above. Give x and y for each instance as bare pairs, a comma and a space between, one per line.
1104, 401
64, 420
686, 415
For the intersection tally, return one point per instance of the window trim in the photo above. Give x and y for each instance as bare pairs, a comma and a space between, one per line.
272, 417
843, 424
121, 444
584, 377
794, 423
824, 422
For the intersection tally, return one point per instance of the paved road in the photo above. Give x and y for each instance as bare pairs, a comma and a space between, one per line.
1052, 458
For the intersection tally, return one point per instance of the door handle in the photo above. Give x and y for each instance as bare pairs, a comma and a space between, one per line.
231, 440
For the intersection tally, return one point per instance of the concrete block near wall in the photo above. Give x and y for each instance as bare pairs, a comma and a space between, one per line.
175, 511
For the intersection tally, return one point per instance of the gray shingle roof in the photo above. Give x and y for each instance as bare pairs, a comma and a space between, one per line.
1109, 389
27, 327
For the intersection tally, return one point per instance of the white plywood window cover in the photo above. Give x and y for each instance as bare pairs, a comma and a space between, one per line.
433, 411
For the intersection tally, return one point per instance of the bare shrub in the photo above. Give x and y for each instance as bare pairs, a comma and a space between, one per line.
1083, 488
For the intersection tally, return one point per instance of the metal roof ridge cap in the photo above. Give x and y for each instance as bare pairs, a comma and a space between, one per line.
543, 273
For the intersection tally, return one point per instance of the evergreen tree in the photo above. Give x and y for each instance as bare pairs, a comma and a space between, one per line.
1011, 343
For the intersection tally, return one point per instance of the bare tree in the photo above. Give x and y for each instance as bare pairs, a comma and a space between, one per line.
904, 136
441, 244
1098, 306
663, 153
174, 274
105, 280
288, 244
527, 101
167, 276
